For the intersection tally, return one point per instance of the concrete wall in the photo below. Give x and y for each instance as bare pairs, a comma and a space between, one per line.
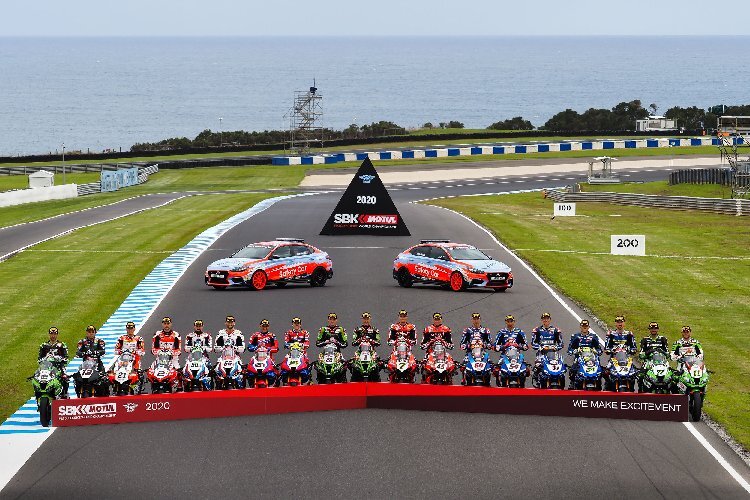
21, 196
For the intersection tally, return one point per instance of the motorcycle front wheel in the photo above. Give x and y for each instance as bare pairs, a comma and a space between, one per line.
696, 404
45, 412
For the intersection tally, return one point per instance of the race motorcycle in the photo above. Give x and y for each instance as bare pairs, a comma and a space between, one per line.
89, 381
402, 365
196, 376
551, 373
656, 374
478, 368
621, 372
261, 370
365, 365
123, 377
512, 370
330, 365
588, 371
439, 366
295, 367
229, 373
692, 380
47, 386
162, 375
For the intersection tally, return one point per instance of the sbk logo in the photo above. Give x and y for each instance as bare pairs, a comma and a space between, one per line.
87, 410
365, 219
130, 407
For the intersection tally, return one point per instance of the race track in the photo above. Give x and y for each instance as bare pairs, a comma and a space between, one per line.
374, 453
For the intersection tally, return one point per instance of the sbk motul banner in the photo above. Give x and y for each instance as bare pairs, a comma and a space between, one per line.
366, 208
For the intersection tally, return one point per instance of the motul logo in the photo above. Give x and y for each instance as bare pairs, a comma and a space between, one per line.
84, 410
365, 219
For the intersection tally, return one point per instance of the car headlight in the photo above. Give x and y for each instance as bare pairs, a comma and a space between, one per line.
239, 269
474, 270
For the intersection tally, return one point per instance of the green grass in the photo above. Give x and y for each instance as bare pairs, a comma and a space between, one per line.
10, 182
684, 286
66, 286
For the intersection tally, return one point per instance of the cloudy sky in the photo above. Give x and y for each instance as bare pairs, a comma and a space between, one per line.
355, 17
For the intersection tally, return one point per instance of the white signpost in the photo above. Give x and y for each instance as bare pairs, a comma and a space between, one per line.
628, 244
564, 210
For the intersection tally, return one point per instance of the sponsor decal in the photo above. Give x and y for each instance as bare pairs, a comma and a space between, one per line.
626, 405
426, 271
366, 179
364, 219
130, 407
86, 411
291, 272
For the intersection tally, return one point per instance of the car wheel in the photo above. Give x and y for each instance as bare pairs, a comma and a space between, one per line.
404, 278
258, 280
457, 282
318, 277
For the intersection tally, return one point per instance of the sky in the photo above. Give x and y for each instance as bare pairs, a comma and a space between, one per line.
379, 17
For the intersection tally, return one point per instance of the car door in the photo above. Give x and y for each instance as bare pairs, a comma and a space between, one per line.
440, 263
421, 262
280, 259
302, 261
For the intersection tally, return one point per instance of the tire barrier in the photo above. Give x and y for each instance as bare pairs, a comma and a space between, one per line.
721, 176
362, 395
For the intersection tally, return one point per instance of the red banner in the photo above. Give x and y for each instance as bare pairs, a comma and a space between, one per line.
159, 407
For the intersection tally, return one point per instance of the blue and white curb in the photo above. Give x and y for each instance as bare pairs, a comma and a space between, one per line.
498, 149
140, 304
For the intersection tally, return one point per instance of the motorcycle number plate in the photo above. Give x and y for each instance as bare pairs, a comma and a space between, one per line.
87, 372
440, 367
478, 366
514, 366
365, 356
43, 377
228, 363
328, 359
195, 365
121, 376
402, 366
161, 372
294, 363
259, 365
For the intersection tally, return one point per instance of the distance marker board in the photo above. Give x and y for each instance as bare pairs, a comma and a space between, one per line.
366, 208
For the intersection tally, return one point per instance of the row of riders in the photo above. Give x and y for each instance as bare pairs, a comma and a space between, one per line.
165, 374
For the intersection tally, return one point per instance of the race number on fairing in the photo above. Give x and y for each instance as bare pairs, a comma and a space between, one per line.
628, 244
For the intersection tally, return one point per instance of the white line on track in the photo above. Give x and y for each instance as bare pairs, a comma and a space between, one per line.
578, 252
722, 461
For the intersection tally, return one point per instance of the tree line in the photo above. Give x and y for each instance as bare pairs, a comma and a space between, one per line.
620, 118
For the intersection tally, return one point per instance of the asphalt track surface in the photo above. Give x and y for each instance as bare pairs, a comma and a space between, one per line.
373, 453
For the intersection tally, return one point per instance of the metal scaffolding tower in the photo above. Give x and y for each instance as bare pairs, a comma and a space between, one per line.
305, 128
734, 148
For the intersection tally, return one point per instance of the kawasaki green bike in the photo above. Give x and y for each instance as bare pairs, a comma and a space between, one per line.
47, 386
692, 380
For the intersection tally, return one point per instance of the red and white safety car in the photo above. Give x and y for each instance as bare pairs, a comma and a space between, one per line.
281, 261
454, 265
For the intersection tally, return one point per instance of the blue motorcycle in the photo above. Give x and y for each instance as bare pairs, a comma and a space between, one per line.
587, 374
477, 367
196, 376
621, 372
229, 373
551, 372
511, 370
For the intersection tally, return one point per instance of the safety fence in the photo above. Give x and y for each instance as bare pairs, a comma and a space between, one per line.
722, 176
716, 205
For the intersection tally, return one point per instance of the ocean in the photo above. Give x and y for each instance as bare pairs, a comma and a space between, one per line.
109, 93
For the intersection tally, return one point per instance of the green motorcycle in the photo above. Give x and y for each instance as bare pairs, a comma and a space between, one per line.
692, 380
330, 366
656, 374
47, 386
365, 365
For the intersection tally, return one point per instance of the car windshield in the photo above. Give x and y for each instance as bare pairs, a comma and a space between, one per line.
659, 359
466, 253
512, 353
253, 252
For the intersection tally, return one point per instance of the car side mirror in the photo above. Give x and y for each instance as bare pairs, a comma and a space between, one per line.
274, 257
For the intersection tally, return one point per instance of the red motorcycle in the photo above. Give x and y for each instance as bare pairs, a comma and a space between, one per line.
295, 367
261, 370
402, 365
162, 373
439, 366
